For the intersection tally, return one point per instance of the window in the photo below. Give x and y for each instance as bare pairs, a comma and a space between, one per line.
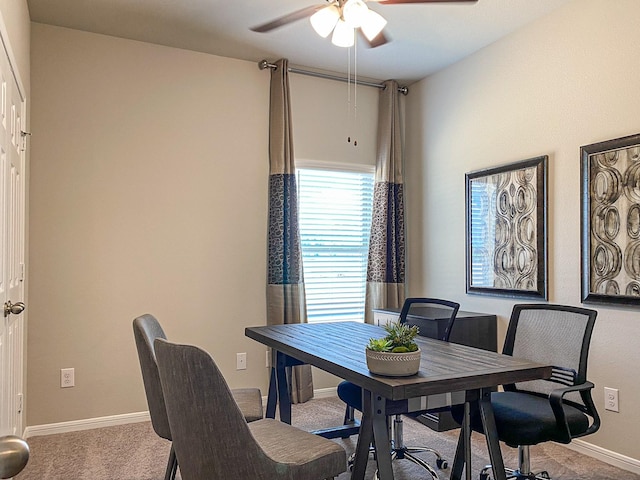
335, 222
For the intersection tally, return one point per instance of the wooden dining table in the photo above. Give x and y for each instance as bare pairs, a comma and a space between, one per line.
458, 373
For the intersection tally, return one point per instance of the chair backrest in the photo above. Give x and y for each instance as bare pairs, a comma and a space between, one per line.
431, 308
552, 334
210, 435
145, 330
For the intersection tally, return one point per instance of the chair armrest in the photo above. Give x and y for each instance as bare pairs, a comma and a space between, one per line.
556, 400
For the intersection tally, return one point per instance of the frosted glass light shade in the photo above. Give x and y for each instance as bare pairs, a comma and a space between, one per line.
343, 35
355, 13
325, 19
372, 25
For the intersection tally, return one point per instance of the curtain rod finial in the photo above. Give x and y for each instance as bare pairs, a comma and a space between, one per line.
262, 64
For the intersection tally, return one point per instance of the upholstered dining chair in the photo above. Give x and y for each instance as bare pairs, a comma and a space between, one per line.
211, 438
351, 394
557, 409
146, 329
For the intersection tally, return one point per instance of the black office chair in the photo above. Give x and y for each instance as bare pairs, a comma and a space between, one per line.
352, 394
146, 329
557, 409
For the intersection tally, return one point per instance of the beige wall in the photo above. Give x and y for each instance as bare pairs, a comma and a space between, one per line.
568, 80
149, 194
323, 121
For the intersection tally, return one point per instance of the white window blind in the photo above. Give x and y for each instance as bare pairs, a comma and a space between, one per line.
335, 222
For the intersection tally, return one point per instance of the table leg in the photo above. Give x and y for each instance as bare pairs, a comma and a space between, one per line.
365, 437
279, 390
491, 435
381, 438
283, 388
467, 440
272, 398
462, 459
458, 460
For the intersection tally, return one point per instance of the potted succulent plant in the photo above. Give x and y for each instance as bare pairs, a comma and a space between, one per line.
396, 354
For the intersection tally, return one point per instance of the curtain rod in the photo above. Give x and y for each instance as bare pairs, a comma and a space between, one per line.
264, 64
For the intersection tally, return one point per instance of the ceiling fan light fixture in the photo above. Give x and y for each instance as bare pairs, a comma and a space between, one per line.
343, 35
354, 12
373, 25
324, 20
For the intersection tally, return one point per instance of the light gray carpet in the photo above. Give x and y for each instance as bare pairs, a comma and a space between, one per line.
134, 452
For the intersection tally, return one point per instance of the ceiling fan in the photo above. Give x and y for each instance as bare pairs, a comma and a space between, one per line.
344, 18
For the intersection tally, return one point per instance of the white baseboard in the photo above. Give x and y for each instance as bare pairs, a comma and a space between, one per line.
606, 456
86, 424
112, 420
580, 446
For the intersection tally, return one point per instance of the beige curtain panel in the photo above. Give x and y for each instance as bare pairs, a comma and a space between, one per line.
285, 285
386, 264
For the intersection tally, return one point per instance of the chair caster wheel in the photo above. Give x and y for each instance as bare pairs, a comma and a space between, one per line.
442, 464
485, 476
351, 461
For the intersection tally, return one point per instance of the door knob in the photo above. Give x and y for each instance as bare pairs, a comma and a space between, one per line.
13, 308
14, 455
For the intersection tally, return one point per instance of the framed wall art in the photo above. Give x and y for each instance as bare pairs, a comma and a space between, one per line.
610, 221
506, 229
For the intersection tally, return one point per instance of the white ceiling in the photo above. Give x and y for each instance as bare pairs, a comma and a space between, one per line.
424, 37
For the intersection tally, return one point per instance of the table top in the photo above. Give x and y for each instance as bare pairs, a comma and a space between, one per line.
339, 348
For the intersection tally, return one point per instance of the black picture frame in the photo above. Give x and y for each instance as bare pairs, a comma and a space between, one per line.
506, 229
610, 221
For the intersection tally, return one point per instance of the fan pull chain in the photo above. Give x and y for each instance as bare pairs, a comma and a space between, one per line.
349, 92
351, 124
355, 87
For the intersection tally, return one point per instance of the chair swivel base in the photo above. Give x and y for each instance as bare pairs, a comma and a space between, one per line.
408, 453
515, 474
523, 472
399, 450
399, 453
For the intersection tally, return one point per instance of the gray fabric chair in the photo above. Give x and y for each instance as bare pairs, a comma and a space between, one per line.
211, 438
145, 330
554, 410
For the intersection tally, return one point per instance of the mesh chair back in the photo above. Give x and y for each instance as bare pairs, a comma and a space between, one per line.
552, 334
145, 330
433, 308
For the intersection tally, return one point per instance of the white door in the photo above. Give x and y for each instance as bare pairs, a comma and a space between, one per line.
12, 239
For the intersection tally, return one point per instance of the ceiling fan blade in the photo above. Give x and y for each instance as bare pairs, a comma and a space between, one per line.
289, 18
392, 2
377, 41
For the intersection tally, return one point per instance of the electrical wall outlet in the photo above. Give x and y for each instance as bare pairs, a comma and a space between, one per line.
67, 378
241, 361
611, 399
